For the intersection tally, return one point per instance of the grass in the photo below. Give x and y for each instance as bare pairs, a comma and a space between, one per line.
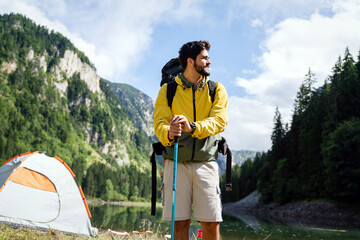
9, 233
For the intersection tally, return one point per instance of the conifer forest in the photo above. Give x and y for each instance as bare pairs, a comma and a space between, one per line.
317, 154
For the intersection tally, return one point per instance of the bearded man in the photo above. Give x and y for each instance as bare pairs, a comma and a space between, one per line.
197, 121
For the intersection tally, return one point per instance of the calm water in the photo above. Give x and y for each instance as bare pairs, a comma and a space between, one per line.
125, 218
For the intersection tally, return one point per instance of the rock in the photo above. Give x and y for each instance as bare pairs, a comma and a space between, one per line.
71, 64
8, 67
322, 214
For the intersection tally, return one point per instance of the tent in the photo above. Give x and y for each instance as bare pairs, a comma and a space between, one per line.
42, 192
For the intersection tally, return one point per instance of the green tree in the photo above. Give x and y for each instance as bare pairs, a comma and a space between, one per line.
304, 94
124, 189
264, 184
134, 193
247, 178
310, 169
89, 184
283, 190
349, 89
109, 190
342, 162
278, 130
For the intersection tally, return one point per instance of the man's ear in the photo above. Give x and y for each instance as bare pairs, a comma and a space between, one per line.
190, 61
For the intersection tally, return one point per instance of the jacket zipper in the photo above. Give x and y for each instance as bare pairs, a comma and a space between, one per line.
194, 139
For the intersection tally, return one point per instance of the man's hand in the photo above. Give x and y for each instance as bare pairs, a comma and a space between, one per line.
178, 123
175, 131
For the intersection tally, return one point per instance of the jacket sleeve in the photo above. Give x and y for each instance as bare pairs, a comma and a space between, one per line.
162, 117
217, 119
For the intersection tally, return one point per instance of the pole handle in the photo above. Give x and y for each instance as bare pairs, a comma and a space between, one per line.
176, 139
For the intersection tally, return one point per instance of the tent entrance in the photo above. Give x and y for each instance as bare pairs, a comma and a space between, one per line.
40, 204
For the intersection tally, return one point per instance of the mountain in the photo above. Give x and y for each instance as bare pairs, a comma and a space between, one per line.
51, 99
138, 105
239, 157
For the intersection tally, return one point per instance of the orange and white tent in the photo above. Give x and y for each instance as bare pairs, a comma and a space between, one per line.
41, 192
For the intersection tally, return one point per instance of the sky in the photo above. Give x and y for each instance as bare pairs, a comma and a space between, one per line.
261, 50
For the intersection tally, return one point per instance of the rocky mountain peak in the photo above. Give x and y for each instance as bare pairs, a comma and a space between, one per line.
71, 64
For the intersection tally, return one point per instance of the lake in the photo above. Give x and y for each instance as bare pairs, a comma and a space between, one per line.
129, 218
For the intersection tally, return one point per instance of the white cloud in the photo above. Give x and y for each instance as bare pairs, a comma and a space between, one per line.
185, 10
249, 124
289, 50
270, 12
257, 23
249, 71
120, 30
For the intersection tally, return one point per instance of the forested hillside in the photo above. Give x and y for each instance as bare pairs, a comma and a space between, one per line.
52, 100
139, 106
318, 155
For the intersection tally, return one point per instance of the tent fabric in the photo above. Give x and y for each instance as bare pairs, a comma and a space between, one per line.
29, 178
40, 191
9, 166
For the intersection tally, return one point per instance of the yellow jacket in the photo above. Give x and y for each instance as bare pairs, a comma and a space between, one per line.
209, 118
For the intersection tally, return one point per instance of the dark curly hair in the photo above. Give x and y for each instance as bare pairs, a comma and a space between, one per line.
191, 50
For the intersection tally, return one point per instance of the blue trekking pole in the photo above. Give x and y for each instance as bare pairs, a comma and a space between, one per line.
174, 187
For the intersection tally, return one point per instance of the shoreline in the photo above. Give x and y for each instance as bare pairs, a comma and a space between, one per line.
312, 214
120, 203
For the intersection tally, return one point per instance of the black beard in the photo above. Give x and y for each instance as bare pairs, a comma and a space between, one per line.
202, 70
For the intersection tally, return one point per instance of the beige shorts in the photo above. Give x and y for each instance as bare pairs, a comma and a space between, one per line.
197, 189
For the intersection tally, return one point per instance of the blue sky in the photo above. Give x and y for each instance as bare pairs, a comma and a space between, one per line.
261, 49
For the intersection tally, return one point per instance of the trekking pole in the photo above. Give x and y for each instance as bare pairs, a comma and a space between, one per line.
174, 187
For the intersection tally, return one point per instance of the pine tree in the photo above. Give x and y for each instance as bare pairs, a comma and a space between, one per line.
278, 130
282, 182
265, 183
304, 94
341, 132
277, 138
350, 89
310, 168
342, 154
358, 66
109, 190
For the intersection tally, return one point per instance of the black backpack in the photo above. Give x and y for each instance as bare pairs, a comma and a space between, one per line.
169, 72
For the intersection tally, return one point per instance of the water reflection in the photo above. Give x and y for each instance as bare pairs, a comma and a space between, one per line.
125, 218
251, 227
235, 225
129, 218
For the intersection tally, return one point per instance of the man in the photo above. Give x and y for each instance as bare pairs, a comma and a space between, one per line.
197, 121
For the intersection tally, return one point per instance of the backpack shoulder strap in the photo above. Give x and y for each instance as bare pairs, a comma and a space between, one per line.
170, 91
223, 148
172, 85
157, 149
212, 90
